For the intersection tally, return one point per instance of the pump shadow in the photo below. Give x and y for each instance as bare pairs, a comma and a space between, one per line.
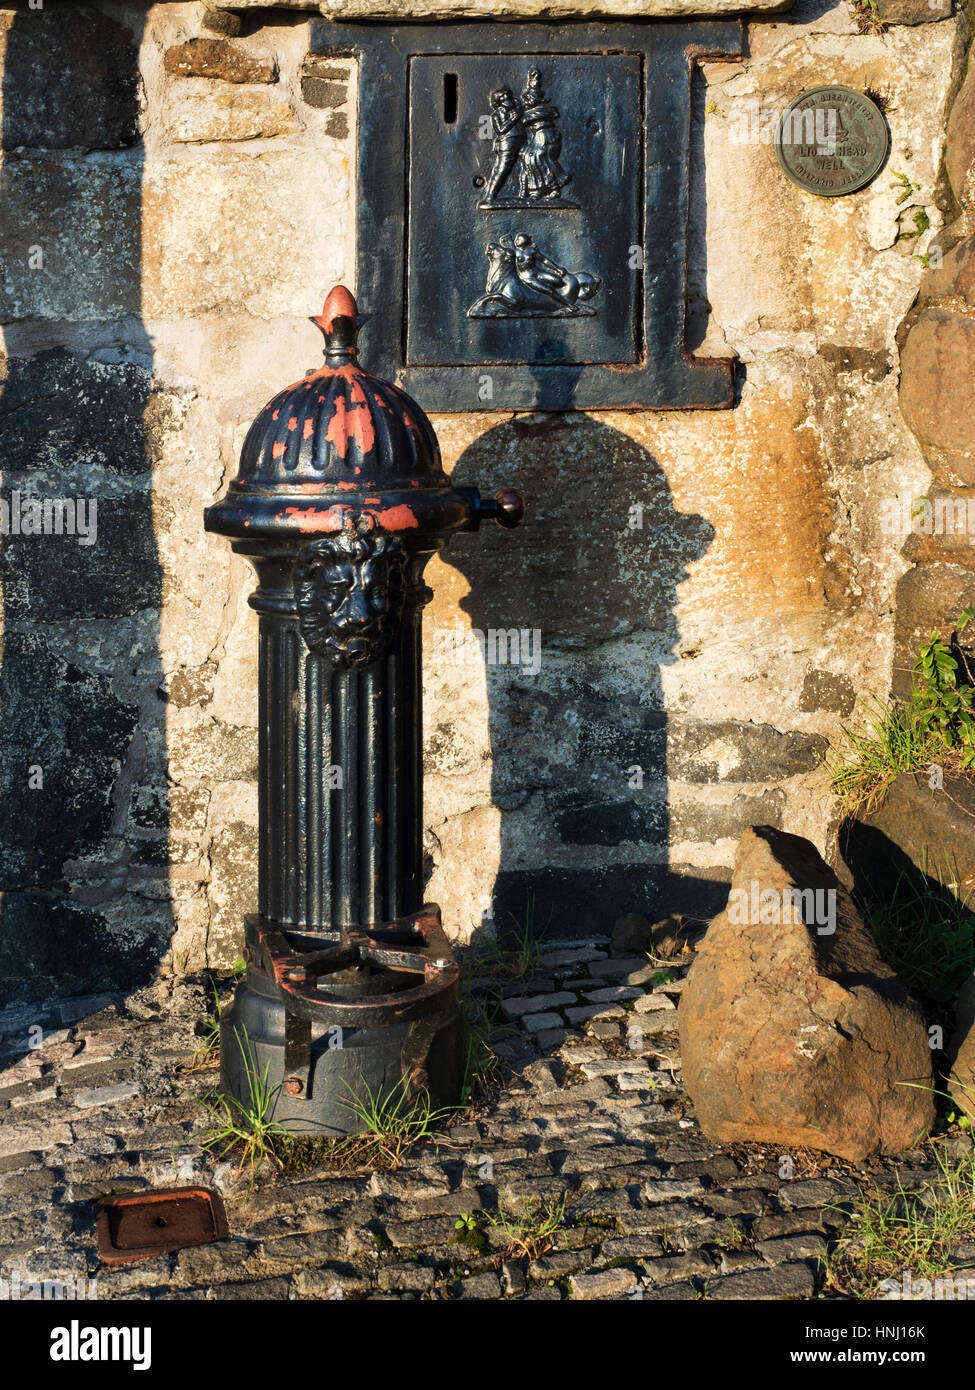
579, 745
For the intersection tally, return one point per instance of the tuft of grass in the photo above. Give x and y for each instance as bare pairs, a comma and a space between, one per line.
867, 17
921, 224
244, 1127
916, 1232
936, 726
925, 933
480, 1059
205, 1055
889, 741
529, 1232
391, 1124
515, 955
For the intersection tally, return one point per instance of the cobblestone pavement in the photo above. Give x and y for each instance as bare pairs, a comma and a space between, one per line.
589, 1110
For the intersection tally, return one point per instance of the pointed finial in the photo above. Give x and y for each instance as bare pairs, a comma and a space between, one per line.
340, 321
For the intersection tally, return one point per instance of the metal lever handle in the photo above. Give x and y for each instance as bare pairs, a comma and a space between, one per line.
506, 507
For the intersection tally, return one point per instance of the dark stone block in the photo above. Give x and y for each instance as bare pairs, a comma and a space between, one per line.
68, 722
71, 80
677, 747
51, 945
52, 578
766, 754
59, 410
914, 11
872, 365
316, 91
222, 21
611, 822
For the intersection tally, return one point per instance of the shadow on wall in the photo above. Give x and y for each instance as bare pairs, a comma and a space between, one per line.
578, 727
84, 805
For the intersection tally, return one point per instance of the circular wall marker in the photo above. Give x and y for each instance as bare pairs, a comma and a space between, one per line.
832, 141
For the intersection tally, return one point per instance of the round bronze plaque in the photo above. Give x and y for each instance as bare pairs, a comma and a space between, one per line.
831, 141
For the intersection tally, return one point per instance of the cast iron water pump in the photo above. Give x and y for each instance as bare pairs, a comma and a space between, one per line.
340, 501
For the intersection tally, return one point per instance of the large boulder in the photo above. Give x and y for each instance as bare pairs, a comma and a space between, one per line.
793, 1029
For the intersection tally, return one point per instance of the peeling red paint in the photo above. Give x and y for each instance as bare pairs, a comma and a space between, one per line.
346, 424
398, 518
315, 519
309, 429
278, 449
293, 423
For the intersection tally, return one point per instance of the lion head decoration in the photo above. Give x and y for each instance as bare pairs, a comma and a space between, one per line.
349, 591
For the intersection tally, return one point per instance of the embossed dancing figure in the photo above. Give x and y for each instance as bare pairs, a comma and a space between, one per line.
540, 175
509, 136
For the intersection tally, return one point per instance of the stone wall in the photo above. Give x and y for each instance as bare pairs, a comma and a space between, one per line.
712, 590
937, 371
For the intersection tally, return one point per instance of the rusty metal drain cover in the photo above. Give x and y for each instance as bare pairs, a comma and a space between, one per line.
139, 1225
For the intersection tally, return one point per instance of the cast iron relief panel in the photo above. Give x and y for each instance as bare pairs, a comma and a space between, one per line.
534, 275
522, 210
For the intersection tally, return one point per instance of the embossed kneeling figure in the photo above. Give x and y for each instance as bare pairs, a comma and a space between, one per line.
523, 283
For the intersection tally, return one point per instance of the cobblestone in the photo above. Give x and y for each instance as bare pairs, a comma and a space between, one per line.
611, 1283
535, 1004
645, 1206
786, 1281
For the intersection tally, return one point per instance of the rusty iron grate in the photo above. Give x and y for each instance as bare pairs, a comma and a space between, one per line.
139, 1225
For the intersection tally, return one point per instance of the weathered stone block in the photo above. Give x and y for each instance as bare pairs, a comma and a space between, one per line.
51, 945
914, 11
256, 115
51, 578
954, 277
917, 829
928, 598
60, 410
961, 1051
535, 9
960, 151
198, 261
937, 368
219, 21
217, 58
214, 752
233, 892
824, 690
